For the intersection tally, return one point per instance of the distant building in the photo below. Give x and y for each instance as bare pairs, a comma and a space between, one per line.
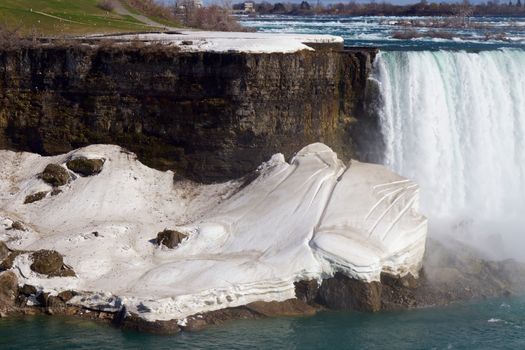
249, 7
183, 4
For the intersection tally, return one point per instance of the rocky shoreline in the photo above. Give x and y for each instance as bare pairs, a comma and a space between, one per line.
455, 277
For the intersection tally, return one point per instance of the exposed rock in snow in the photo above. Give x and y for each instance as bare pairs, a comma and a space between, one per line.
302, 220
189, 40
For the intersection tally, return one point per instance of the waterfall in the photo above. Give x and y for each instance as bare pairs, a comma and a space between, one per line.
455, 123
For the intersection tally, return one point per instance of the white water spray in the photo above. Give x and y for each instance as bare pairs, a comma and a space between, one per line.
455, 122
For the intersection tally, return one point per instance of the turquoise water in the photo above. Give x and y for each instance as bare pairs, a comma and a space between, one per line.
490, 324
376, 31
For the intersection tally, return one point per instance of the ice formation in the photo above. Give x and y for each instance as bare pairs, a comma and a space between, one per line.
303, 219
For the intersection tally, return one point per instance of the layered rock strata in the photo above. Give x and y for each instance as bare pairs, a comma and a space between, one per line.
210, 116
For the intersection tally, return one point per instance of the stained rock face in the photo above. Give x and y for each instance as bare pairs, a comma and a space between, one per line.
85, 166
51, 263
55, 175
209, 116
344, 293
306, 290
170, 238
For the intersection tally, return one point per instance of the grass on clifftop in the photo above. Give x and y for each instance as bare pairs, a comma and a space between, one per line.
65, 17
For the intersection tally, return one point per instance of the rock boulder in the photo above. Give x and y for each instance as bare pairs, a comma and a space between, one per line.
50, 263
55, 175
170, 238
85, 166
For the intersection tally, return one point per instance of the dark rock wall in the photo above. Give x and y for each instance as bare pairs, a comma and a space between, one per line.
209, 116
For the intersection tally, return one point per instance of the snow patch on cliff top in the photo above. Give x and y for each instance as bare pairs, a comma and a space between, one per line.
188, 40
305, 219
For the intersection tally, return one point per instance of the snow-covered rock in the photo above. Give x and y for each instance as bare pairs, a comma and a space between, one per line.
191, 40
305, 219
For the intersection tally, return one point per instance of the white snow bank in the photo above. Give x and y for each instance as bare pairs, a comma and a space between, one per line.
233, 41
306, 219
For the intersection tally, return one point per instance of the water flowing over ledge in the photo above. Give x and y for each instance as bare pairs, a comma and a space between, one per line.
455, 123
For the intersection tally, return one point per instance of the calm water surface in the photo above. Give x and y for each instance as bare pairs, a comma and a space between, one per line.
491, 324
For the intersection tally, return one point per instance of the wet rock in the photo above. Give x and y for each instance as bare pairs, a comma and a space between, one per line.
35, 197
306, 290
290, 307
85, 166
200, 321
28, 290
398, 292
407, 281
8, 290
55, 305
136, 323
55, 175
42, 298
170, 238
50, 263
344, 293
4, 251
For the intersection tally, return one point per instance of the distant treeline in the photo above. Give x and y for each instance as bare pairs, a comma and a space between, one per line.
423, 8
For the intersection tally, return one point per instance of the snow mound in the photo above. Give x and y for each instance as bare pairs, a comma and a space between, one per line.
198, 41
305, 219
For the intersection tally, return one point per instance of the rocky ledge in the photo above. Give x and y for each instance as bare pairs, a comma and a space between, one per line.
186, 102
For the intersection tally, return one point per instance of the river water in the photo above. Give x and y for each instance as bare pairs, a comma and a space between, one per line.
492, 324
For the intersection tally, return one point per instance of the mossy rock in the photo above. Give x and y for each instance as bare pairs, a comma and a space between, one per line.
35, 197
55, 175
85, 166
50, 263
170, 238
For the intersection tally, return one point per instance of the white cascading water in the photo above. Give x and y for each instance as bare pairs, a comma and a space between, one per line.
455, 122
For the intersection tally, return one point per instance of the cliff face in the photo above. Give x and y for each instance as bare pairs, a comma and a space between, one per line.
209, 116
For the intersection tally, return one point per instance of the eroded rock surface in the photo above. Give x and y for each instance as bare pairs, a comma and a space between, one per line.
209, 116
